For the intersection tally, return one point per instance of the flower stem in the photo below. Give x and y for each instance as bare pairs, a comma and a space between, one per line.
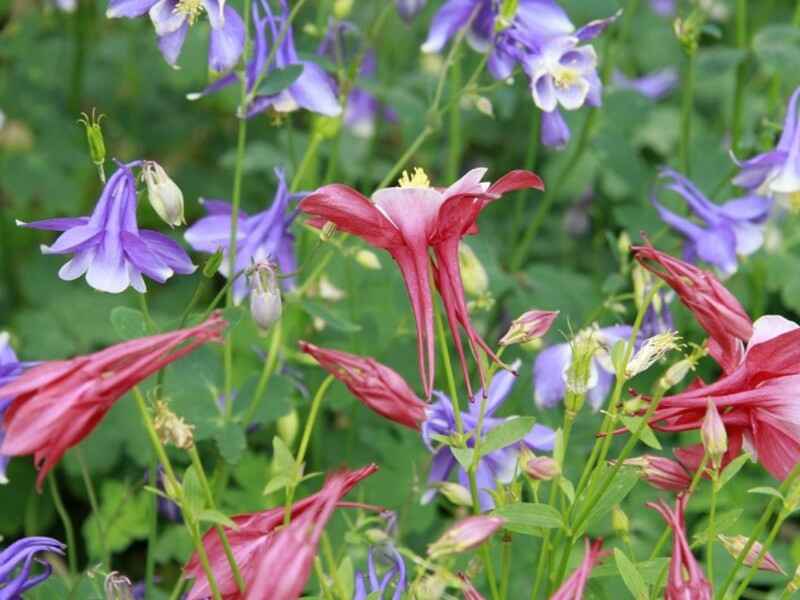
308, 157
712, 515
454, 126
796, 19
687, 102
101, 529
66, 521
505, 566
266, 373
741, 75
152, 539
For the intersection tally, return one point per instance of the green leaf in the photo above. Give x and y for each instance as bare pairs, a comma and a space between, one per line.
331, 318
280, 79
193, 494
278, 482
214, 516
568, 489
766, 490
649, 570
777, 48
619, 488
123, 517
646, 435
505, 434
732, 469
463, 456
231, 442
630, 575
528, 518
275, 401
128, 323
722, 522
174, 543
345, 576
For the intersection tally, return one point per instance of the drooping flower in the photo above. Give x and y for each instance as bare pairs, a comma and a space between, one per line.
108, 246
408, 220
497, 466
265, 296
312, 90
10, 369
552, 364
756, 402
58, 403
572, 588
173, 18
717, 311
264, 236
271, 557
662, 473
735, 545
653, 85
776, 173
731, 229
22, 554
467, 534
686, 579
373, 583
377, 386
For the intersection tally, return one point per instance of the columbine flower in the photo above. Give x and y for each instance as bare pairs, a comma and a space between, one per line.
264, 236
777, 173
717, 311
573, 587
108, 246
265, 296
467, 534
734, 228
654, 85
529, 326
499, 465
662, 473
58, 403
164, 195
380, 388
271, 557
735, 546
550, 370
312, 90
396, 573
10, 369
172, 19
408, 220
685, 579
542, 468
23, 553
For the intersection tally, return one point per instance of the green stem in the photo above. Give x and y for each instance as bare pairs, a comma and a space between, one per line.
66, 521
266, 373
151, 324
545, 551
529, 165
505, 566
152, 538
796, 19
197, 541
101, 530
454, 137
687, 102
308, 157
391, 174
741, 75
711, 526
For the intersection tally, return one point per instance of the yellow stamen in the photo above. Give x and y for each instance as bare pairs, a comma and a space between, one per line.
417, 179
794, 202
565, 77
190, 8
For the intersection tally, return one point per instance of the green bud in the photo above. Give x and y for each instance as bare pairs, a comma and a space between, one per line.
473, 274
620, 522
213, 264
457, 494
288, 426
342, 8
94, 136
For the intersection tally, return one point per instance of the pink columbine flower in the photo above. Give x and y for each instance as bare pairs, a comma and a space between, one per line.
380, 388
735, 545
465, 535
715, 308
572, 588
58, 403
662, 473
529, 326
407, 221
686, 580
270, 557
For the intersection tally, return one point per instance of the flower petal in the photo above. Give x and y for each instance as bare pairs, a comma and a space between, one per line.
226, 43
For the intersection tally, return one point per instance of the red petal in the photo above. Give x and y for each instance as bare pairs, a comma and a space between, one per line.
516, 180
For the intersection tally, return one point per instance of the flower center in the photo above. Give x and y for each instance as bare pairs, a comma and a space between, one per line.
418, 179
191, 9
565, 77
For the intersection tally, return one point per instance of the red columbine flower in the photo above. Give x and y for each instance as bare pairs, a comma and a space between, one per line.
757, 402
376, 385
271, 557
409, 220
715, 308
662, 473
58, 403
573, 587
686, 580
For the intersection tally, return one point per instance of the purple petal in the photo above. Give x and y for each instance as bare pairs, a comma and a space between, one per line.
57, 224
655, 85
144, 259
313, 91
748, 208
594, 28
544, 18
548, 375
108, 270
77, 266
128, 8
541, 438
664, 8
408, 9
452, 16
212, 233
74, 240
499, 388
441, 465
165, 18
555, 131
226, 43
544, 93
170, 45
598, 394
214, 10
501, 63
168, 251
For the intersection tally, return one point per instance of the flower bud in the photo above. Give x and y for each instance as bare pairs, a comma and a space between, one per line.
470, 593
473, 275
94, 137
714, 435
542, 468
484, 106
651, 351
213, 264
172, 429
580, 374
368, 260
342, 8
288, 425
662, 473
265, 296
377, 536
735, 545
620, 522
529, 326
164, 195
118, 587
465, 535
676, 373
624, 243
457, 494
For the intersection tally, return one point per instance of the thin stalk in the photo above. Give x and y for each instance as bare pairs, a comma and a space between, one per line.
741, 75
544, 552
176, 591
151, 324
66, 521
529, 165
712, 515
197, 541
505, 566
454, 127
266, 373
687, 102
152, 538
796, 19
308, 157
101, 530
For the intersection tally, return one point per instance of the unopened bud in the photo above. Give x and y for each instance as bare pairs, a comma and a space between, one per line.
455, 493
714, 435
542, 468
580, 375
465, 535
651, 351
484, 106
265, 296
164, 195
735, 545
118, 587
470, 593
213, 264
376, 535
676, 373
473, 275
172, 429
662, 473
624, 243
328, 291
620, 522
368, 260
342, 8
94, 137
327, 232
530, 326
288, 425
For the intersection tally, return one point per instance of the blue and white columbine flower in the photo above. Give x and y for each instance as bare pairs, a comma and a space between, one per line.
17, 561
497, 466
172, 19
374, 583
733, 228
108, 246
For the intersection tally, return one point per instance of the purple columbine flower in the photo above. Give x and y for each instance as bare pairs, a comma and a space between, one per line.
776, 173
313, 90
263, 236
108, 246
733, 228
658, 317
373, 583
10, 369
654, 85
550, 368
495, 466
172, 19
19, 558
